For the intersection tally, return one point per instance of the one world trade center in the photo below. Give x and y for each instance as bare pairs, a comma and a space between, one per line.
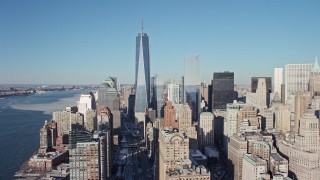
142, 75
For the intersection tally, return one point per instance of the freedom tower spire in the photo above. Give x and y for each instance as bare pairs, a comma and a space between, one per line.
142, 75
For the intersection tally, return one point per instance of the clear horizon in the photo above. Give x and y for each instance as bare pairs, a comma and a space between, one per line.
84, 42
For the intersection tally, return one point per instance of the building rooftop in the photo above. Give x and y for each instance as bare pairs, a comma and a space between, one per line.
48, 155
211, 152
167, 133
197, 155
56, 173
253, 159
245, 135
235, 105
206, 114
188, 171
276, 157
257, 143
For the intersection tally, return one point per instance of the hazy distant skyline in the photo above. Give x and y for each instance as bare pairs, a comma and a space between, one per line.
84, 42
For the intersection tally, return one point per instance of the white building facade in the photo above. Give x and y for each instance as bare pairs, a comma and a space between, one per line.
296, 78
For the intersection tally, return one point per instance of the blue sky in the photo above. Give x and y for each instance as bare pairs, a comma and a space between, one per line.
83, 42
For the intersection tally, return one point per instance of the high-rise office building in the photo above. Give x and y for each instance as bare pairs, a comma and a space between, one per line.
265, 89
301, 103
174, 93
90, 158
314, 84
126, 91
174, 161
278, 80
282, 119
142, 75
237, 147
185, 119
108, 94
157, 96
191, 84
78, 136
296, 78
223, 89
204, 92
86, 102
308, 138
254, 83
84, 161
170, 120
105, 154
48, 135
254, 168
231, 122
253, 144
266, 119
67, 120
303, 152
182, 93
262, 94
108, 97
206, 130
249, 113
90, 120
184, 116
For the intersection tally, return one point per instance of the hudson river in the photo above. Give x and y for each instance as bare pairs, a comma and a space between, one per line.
21, 118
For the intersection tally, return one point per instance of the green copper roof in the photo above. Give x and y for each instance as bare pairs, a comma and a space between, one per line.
316, 67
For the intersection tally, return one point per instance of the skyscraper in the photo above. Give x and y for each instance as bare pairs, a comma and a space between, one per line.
314, 86
265, 85
301, 103
170, 120
192, 84
282, 118
157, 96
174, 161
90, 158
296, 78
278, 80
231, 122
254, 83
108, 94
142, 75
222, 89
185, 120
254, 167
206, 130
174, 93
204, 92
303, 152
48, 134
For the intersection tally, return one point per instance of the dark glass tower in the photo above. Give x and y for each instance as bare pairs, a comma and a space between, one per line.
222, 89
142, 76
157, 101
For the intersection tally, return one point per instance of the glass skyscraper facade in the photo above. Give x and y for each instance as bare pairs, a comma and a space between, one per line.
142, 74
192, 84
157, 96
222, 89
